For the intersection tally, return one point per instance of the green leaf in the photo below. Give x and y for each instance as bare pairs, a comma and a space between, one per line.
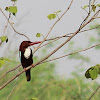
92, 72
52, 16
38, 35
85, 6
57, 11
2, 62
98, 5
3, 38
98, 66
6, 59
87, 75
99, 71
93, 7
12, 9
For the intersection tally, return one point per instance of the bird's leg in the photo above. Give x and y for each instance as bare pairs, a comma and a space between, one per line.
25, 69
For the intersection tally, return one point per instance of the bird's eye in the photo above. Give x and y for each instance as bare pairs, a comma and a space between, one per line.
27, 42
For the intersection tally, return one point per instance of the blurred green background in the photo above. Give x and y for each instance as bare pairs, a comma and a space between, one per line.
46, 85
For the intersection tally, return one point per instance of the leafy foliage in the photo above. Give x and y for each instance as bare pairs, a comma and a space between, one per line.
3, 60
12, 9
93, 6
53, 16
58, 11
3, 38
85, 6
38, 35
98, 5
93, 72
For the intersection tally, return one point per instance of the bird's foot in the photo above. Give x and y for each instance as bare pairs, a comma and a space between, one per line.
25, 69
32, 65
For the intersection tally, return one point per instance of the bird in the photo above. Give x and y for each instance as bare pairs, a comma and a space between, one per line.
26, 56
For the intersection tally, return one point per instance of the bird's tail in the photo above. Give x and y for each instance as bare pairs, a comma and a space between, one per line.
28, 75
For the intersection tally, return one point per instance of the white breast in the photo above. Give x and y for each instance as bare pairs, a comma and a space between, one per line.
27, 53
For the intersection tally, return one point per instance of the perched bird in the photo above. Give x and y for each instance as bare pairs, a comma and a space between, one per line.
26, 56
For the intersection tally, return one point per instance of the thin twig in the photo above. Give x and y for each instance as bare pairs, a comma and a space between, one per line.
94, 92
67, 35
71, 53
87, 15
33, 65
12, 90
10, 71
50, 42
53, 27
13, 26
54, 58
89, 5
96, 17
7, 24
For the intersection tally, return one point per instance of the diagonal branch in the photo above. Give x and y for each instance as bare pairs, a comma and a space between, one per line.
72, 53
94, 93
7, 24
33, 65
53, 26
67, 35
10, 71
54, 39
12, 25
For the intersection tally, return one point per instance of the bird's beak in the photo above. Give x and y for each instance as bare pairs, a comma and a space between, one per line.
32, 43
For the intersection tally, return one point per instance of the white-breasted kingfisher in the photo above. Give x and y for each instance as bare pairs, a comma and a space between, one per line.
26, 56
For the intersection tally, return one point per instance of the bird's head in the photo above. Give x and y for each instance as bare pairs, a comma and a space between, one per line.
26, 44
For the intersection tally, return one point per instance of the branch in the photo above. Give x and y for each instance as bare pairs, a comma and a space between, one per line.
7, 24
12, 91
12, 79
94, 92
72, 53
53, 27
96, 17
10, 71
81, 26
33, 65
67, 35
12, 25
58, 57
